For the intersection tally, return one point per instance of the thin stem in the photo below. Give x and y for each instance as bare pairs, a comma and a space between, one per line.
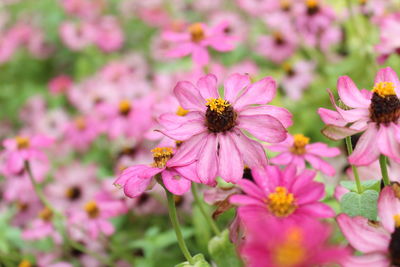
177, 228
355, 171
199, 203
384, 171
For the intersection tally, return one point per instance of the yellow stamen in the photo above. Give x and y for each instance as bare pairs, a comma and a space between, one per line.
46, 214
311, 3
299, 145
397, 220
291, 252
384, 89
80, 123
181, 111
281, 203
92, 209
24, 263
124, 107
197, 32
161, 155
22, 142
217, 104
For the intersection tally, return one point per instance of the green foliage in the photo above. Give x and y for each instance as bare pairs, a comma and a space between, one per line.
199, 261
364, 204
223, 252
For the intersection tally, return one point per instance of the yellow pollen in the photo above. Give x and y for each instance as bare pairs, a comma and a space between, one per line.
299, 145
22, 142
46, 214
384, 89
397, 220
291, 252
285, 4
24, 263
311, 3
181, 111
281, 203
217, 104
80, 123
196, 32
124, 107
92, 209
161, 155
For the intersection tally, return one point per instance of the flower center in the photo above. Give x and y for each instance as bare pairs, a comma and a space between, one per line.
279, 39
73, 193
286, 5
197, 32
291, 252
220, 115
312, 7
22, 206
22, 142
92, 209
287, 67
80, 123
385, 105
124, 107
161, 155
25, 263
281, 203
46, 214
394, 245
299, 144
362, 2
181, 111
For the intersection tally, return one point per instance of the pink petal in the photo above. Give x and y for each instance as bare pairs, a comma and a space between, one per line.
251, 189
176, 184
310, 193
318, 209
320, 164
230, 161
207, 86
350, 95
282, 114
200, 55
263, 127
362, 236
366, 150
260, 92
368, 260
388, 75
173, 121
129, 173
189, 96
337, 133
331, 117
244, 200
207, 165
234, 85
388, 143
186, 130
106, 227
180, 50
388, 207
188, 152
189, 172
322, 150
252, 152
283, 159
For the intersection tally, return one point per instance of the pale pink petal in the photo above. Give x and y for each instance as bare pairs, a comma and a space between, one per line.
189, 97
366, 150
368, 260
252, 152
282, 114
200, 55
388, 207
230, 161
279, 147
320, 165
185, 131
260, 92
282, 159
245, 200
263, 127
234, 85
180, 50
176, 184
106, 227
363, 236
189, 172
207, 165
337, 133
172, 121
350, 95
331, 117
189, 150
387, 142
207, 86
322, 150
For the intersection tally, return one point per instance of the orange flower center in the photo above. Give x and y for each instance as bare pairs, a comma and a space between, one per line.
281, 203
22, 142
197, 32
161, 155
299, 144
92, 209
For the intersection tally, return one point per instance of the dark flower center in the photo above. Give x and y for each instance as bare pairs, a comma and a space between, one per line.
124, 107
385, 105
394, 245
312, 7
220, 115
73, 193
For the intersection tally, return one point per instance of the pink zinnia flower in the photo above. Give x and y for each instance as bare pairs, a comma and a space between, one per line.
77, 36
379, 241
136, 179
271, 243
297, 78
82, 131
196, 39
212, 130
297, 150
60, 84
375, 113
42, 227
109, 36
389, 43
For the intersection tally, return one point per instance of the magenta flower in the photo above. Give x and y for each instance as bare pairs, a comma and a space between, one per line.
136, 179
378, 241
81, 132
282, 194
42, 227
212, 131
297, 150
297, 78
389, 41
375, 113
24, 148
196, 39
271, 243
60, 84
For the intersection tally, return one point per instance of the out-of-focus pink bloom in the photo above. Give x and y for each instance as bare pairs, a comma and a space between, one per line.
212, 130
297, 78
42, 227
378, 241
270, 243
60, 84
296, 150
24, 148
136, 179
77, 36
86, 9
283, 194
389, 43
236, 28
196, 39
109, 36
374, 113
82, 131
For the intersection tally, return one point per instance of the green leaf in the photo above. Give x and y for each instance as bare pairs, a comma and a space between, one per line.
367, 185
223, 252
364, 204
199, 261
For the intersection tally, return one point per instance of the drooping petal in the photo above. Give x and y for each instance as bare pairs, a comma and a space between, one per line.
135, 186
207, 165
263, 127
388, 207
175, 183
350, 95
230, 161
366, 150
207, 86
189, 97
337, 133
260, 92
234, 85
331, 117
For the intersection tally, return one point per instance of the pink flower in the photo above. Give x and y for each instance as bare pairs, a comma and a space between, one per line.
374, 113
271, 243
109, 35
196, 39
42, 227
282, 194
81, 132
297, 78
60, 84
378, 241
297, 150
136, 179
24, 148
77, 36
389, 40
212, 130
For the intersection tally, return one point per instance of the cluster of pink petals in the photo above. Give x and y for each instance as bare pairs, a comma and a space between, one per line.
225, 154
389, 41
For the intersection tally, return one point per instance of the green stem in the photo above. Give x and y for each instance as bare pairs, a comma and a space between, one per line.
355, 171
384, 171
174, 220
200, 203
